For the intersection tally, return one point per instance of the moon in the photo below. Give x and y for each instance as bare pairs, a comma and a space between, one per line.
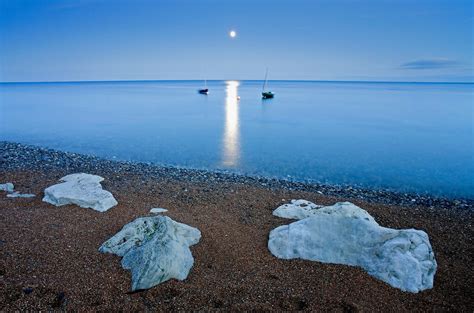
232, 34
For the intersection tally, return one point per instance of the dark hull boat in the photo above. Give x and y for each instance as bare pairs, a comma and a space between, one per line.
205, 90
267, 95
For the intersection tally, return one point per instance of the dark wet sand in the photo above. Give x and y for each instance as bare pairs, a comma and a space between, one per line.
49, 255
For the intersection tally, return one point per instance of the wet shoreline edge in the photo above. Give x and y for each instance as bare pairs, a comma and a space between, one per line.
16, 156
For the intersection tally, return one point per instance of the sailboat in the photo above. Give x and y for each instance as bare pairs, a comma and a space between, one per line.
205, 90
266, 94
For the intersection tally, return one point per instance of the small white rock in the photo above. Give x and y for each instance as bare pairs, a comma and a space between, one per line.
158, 210
81, 189
20, 195
8, 187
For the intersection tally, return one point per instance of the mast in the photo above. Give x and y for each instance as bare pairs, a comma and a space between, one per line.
265, 82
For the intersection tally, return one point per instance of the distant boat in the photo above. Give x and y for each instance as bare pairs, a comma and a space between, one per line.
205, 90
266, 94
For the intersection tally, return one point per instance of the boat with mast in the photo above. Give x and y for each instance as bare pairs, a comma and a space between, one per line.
266, 94
205, 90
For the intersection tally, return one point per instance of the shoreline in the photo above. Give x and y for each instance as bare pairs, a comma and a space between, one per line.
49, 258
17, 156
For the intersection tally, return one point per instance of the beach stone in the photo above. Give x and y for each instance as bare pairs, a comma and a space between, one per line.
8, 187
155, 249
158, 210
81, 189
20, 195
346, 234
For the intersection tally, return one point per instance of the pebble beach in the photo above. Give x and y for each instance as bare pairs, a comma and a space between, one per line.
49, 258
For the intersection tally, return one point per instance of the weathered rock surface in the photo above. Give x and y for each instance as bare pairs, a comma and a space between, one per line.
155, 249
296, 209
346, 234
8, 187
81, 189
158, 210
300, 209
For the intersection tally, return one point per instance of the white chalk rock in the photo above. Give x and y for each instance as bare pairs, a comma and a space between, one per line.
300, 209
346, 234
158, 210
155, 249
297, 209
8, 187
20, 195
81, 189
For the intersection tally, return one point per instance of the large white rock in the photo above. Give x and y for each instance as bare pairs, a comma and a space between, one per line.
155, 249
81, 189
346, 234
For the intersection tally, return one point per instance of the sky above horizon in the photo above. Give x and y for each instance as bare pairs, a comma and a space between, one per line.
62, 40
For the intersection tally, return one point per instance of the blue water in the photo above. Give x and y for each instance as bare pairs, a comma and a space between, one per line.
411, 137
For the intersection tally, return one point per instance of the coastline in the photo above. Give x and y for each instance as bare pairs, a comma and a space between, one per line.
16, 156
49, 257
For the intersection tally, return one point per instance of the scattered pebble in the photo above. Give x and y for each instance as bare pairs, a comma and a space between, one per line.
158, 210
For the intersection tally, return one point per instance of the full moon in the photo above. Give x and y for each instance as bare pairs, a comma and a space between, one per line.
232, 34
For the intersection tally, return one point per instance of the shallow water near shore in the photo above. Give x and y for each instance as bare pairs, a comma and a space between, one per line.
413, 137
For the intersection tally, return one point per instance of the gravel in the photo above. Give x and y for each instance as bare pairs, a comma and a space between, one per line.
49, 257
15, 156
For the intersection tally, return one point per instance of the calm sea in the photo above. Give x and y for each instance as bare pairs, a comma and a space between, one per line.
413, 137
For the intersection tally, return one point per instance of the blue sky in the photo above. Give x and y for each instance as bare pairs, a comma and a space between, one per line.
67, 40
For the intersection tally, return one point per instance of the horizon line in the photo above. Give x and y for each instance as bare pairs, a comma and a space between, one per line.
275, 80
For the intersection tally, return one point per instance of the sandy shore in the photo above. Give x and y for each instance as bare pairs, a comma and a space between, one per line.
49, 257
